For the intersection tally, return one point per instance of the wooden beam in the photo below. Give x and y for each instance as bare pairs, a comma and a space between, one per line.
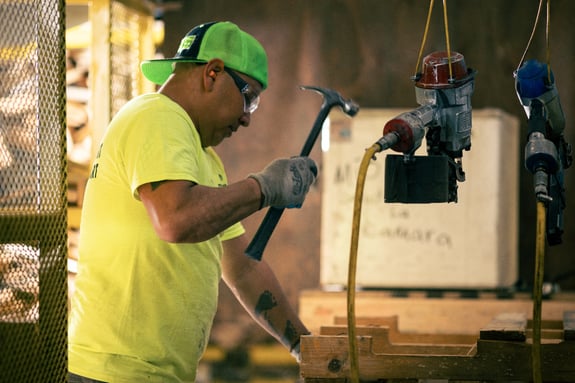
420, 314
325, 357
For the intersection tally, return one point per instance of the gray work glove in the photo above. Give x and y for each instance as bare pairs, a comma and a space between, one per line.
286, 181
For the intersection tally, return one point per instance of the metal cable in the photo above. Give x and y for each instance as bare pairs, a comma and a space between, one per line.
446, 24
532, 34
424, 39
429, 12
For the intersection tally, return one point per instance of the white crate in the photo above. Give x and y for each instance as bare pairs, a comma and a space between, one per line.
471, 244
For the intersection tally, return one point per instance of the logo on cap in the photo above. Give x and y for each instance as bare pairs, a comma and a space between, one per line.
186, 43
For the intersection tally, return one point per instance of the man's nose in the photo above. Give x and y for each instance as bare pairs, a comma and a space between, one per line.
245, 119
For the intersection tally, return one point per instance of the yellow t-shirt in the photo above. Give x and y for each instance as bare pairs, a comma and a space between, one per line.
143, 308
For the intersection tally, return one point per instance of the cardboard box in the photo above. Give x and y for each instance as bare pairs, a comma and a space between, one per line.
471, 244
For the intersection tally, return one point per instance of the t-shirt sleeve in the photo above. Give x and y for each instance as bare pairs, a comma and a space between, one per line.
232, 232
161, 147
162, 144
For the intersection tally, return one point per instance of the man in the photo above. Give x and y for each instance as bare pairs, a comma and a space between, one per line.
160, 224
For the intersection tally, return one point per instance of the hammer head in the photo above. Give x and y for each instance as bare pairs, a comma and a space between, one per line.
332, 98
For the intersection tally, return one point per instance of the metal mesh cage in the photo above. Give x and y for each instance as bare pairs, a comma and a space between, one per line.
33, 284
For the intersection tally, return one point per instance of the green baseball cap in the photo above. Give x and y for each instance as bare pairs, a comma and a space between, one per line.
224, 40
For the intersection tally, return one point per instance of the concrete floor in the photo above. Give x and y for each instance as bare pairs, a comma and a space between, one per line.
256, 364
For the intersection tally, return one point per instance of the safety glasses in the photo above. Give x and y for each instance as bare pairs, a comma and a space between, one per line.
251, 102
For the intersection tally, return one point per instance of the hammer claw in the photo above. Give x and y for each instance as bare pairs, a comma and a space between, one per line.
331, 99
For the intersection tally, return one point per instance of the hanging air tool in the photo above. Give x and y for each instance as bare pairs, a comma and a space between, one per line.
547, 153
444, 92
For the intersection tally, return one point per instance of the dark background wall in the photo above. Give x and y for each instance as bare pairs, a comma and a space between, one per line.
367, 50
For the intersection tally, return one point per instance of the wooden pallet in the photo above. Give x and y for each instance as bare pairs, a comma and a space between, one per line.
501, 352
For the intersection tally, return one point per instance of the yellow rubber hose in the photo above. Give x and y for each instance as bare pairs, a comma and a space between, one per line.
537, 292
353, 352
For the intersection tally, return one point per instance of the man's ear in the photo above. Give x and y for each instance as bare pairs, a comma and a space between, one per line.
212, 70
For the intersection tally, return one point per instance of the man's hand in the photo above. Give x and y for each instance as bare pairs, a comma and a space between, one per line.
286, 181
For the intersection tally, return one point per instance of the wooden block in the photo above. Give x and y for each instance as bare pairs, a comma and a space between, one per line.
507, 326
389, 341
551, 330
401, 337
569, 325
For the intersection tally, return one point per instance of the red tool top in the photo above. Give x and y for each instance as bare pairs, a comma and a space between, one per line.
436, 73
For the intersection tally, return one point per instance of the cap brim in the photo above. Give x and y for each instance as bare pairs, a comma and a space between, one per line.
158, 71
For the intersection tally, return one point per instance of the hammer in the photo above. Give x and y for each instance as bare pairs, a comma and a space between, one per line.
331, 99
